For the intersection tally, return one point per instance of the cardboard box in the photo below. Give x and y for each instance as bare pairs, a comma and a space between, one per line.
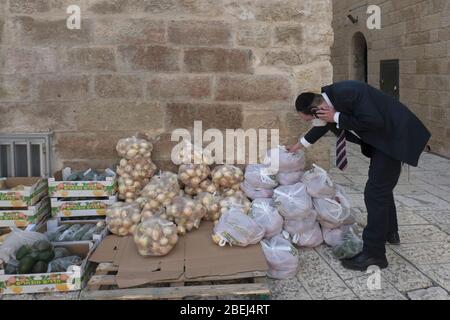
81, 208
35, 189
194, 257
23, 217
72, 280
58, 188
53, 224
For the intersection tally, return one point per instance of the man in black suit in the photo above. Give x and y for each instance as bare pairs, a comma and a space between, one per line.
389, 134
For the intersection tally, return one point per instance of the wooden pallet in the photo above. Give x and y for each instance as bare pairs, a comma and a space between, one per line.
103, 286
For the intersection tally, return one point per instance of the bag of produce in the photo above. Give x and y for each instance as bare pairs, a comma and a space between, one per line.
152, 213
122, 218
282, 258
318, 183
350, 246
234, 190
302, 225
237, 229
192, 154
266, 215
16, 239
205, 186
293, 202
226, 176
133, 147
160, 191
289, 178
334, 237
311, 238
236, 201
186, 213
155, 237
193, 174
211, 203
134, 175
63, 264
253, 193
332, 213
284, 160
259, 177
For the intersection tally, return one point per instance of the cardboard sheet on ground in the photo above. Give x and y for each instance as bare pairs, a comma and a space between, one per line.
195, 256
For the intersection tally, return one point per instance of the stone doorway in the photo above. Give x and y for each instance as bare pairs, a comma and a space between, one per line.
358, 63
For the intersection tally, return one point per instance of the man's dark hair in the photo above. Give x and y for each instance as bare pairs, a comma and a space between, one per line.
308, 102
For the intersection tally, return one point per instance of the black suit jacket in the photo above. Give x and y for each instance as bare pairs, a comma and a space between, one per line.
381, 121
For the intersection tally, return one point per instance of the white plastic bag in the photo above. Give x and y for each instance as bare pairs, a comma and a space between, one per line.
15, 240
349, 246
259, 177
334, 237
318, 183
333, 213
237, 229
303, 225
287, 162
293, 202
289, 178
253, 193
282, 258
310, 239
266, 215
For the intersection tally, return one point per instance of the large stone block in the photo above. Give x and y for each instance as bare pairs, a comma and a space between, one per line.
218, 60
29, 60
129, 31
62, 88
289, 35
312, 77
199, 33
45, 32
290, 57
2, 24
150, 58
97, 115
216, 116
14, 88
118, 86
179, 87
266, 10
89, 59
257, 88
28, 6
254, 35
41, 117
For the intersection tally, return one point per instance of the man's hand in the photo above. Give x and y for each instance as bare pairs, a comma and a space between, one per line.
326, 114
294, 148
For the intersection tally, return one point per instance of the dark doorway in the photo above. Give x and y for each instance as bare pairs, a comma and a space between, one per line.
390, 77
359, 58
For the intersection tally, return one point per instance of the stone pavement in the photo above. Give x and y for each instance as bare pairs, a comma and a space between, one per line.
419, 268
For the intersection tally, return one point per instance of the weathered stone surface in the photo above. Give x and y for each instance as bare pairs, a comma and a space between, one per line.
423, 253
89, 59
30, 60
199, 33
42, 32
14, 88
62, 88
129, 31
254, 35
179, 87
118, 86
266, 10
150, 58
2, 24
360, 288
218, 60
28, 117
28, 7
122, 116
312, 77
219, 116
257, 88
422, 233
289, 35
289, 289
433, 293
290, 57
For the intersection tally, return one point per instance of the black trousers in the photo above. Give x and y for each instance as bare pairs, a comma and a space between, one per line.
384, 173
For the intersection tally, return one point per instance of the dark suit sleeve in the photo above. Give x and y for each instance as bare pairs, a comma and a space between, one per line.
315, 134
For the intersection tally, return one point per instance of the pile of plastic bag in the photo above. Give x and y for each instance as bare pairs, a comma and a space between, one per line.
259, 182
290, 165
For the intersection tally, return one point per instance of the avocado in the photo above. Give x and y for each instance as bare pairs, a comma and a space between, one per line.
40, 267
22, 252
46, 256
42, 245
26, 264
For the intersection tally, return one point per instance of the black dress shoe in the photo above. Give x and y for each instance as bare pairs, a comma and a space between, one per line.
393, 238
363, 260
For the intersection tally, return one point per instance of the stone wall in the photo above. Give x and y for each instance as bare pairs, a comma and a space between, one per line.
417, 33
157, 65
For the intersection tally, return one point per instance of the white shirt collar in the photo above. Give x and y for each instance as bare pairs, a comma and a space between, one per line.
327, 99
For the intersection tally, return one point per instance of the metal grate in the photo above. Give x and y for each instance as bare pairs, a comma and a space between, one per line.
25, 154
